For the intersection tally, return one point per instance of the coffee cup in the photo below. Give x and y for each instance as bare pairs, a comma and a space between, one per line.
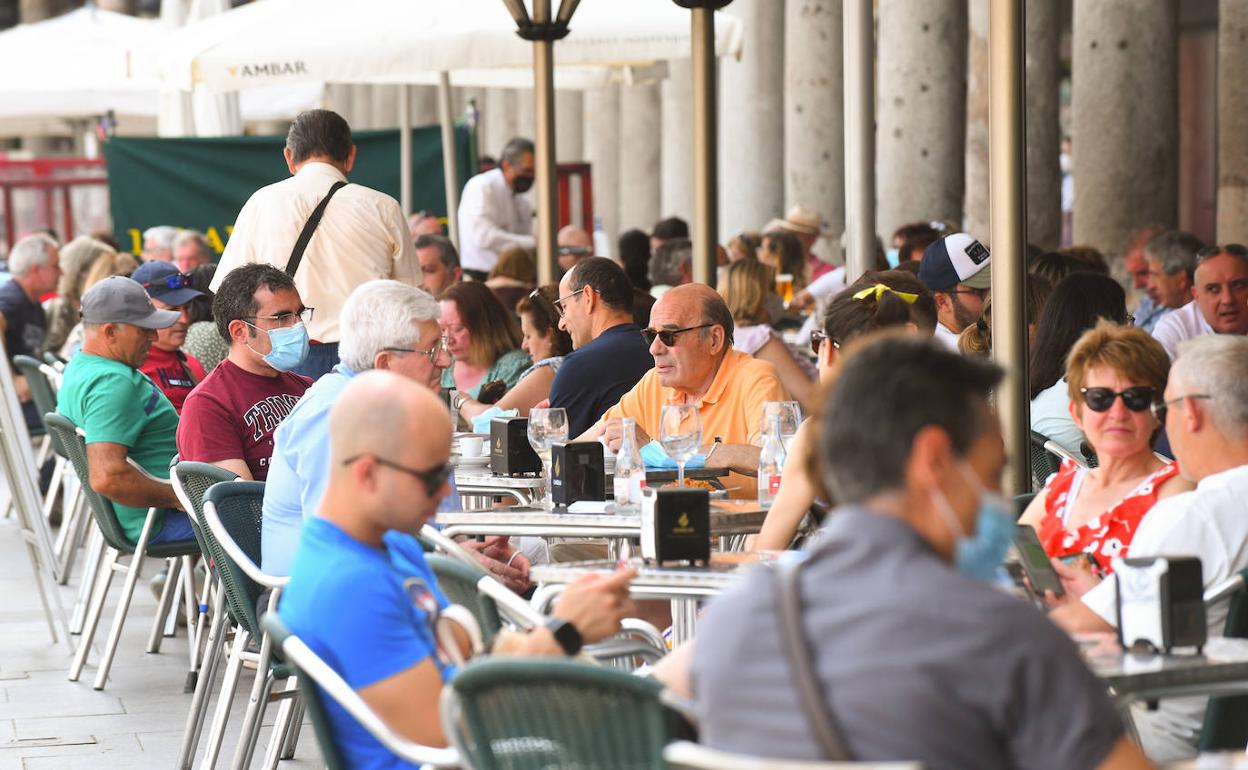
471, 446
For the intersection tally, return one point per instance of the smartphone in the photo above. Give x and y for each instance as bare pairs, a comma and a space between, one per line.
1036, 564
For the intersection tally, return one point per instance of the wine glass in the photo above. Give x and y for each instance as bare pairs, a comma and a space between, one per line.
790, 413
680, 433
546, 426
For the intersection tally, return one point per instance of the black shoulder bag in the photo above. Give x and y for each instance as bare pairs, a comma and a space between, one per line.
309, 227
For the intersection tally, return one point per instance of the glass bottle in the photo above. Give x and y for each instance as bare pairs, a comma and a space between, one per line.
770, 463
630, 472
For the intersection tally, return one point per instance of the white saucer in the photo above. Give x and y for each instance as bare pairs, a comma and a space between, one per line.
472, 462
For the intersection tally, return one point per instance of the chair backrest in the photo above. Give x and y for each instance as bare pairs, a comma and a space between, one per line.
41, 390
191, 481
1043, 462
683, 755
458, 582
102, 509
521, 713
238, 505
1226, 716
1021, 502
317, 681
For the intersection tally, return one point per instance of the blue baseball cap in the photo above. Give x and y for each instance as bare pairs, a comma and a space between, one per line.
164, 282
956, 259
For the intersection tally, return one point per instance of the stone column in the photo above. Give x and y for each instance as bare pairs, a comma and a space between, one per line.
384, 106
569, 127
338, 98
424, 106
814, 125
525, 120
360, 113
1232, 122
751, 121
921, 113
1125, 111
602, 150
676, 153
1044, 178
500, 120
639, 156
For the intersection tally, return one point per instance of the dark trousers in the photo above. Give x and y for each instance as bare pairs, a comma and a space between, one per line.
321, 359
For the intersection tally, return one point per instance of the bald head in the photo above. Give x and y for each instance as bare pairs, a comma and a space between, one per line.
698, 304
571, 235
379, 412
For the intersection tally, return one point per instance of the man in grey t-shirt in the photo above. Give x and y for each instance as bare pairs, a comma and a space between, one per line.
916, 658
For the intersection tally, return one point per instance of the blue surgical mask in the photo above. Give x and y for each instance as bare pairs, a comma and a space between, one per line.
288, 347
980, 556
893, 256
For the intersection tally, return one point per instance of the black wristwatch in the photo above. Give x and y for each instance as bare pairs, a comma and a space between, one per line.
566, 635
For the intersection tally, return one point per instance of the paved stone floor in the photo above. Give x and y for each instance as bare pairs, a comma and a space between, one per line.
50, 723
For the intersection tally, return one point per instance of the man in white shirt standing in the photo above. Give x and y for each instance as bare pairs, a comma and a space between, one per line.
958, 271
494, 211
1220, 293
362, 236
1205, 412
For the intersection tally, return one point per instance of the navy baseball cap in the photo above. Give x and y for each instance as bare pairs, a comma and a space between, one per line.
956, 259
164, 282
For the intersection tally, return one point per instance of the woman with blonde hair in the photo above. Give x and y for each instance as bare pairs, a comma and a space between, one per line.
106, 265
513, 277
77, 257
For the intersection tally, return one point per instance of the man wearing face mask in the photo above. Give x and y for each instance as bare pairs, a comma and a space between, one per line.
915, 653
494, 211
229, 420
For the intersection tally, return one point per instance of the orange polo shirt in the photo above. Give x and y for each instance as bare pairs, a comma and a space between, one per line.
731, 409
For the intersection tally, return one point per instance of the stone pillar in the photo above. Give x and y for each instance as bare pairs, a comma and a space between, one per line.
639, 156
602, 150
814, 125
569, 127
751, 121
526, 121
977, 202
676, 154
500, 120
360, 112
1232, 224
383, 106
921, 113
338, 98
424, 106
1125, 118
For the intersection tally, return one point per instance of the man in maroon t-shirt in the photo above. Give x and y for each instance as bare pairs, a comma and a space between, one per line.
173, 371
229, 419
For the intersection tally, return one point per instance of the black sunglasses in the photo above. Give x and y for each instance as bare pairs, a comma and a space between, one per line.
177, 281
1138, 399
816, 341
668, 336
433, 478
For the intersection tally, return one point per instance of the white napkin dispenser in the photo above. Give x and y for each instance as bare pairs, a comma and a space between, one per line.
1160, 602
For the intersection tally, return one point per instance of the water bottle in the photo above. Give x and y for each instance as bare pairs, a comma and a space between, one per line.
770, 463
630, 472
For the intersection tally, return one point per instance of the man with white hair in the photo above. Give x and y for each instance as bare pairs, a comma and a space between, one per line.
35, 266
1205, 411
191, 250
158, 243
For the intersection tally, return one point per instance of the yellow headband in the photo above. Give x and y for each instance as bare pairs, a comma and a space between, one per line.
878, 290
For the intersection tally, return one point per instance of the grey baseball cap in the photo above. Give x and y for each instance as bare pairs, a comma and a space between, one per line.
120, 300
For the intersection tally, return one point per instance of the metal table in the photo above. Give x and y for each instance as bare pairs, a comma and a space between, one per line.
478, 485
728, 517
1221, 670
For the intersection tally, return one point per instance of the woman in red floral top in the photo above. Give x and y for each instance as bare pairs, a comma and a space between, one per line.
1115, 374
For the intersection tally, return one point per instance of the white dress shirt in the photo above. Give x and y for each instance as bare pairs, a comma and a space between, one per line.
491, 218
362, 236
1183, 324
946, 335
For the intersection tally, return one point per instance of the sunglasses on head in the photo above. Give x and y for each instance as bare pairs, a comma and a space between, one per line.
817, 338
1138, 399
178, 281
668, 336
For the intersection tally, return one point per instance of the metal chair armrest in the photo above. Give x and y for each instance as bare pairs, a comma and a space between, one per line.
213, 521
448, 545
516, 609
1224, 590
1054, 448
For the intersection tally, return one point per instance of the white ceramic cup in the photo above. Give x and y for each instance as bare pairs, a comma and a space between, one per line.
471, 446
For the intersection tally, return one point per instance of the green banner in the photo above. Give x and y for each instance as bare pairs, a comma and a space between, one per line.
202, 183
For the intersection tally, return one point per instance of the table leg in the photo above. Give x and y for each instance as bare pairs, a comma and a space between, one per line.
684, 620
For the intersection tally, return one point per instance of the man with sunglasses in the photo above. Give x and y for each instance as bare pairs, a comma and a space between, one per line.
1220, 299
958, 271
690, 337
1205, 412
174, 371
230, 418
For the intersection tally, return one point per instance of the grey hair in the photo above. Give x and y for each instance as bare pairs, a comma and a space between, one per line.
382, 314
162, 234
197, 238
667, 260
31, 252
1175, 250
1216, 365
515, 149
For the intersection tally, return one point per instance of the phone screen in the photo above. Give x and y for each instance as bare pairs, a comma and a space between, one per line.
1035, 561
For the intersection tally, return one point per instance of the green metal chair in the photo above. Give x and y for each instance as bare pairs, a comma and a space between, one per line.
683, 755
458, 582
116, 544
41, 392
1044, 463
1226, 716
321, 681
522, 714
1021, 502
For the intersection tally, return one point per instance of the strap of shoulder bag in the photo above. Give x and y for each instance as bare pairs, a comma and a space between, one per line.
798, 655
309, 227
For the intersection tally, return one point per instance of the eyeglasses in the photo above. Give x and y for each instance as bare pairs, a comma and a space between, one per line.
178, 281
816, 341
559, 302
668, 336
1138, 399
1160, 408
284, 320
442, 344
433, 478
981, 293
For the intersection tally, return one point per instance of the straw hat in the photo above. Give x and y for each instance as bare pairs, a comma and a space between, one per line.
799, 220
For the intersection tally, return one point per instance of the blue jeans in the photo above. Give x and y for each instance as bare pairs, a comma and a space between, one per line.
177, 527
321, 359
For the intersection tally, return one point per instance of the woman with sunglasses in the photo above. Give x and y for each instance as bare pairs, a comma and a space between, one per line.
545, 343
1114, 376
892, 299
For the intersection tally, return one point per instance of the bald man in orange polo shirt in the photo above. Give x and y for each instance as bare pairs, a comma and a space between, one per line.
700, 367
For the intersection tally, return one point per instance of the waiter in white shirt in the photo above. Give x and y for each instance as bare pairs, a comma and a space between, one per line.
361, 236
495, 212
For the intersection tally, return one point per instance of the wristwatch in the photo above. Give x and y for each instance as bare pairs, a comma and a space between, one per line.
458, 401
566, 635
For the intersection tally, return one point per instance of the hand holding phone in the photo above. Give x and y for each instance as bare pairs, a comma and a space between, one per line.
1036, 565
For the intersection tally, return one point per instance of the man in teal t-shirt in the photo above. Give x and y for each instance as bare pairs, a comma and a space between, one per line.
121, 411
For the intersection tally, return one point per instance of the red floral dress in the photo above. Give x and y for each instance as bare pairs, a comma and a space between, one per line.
1105, 536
